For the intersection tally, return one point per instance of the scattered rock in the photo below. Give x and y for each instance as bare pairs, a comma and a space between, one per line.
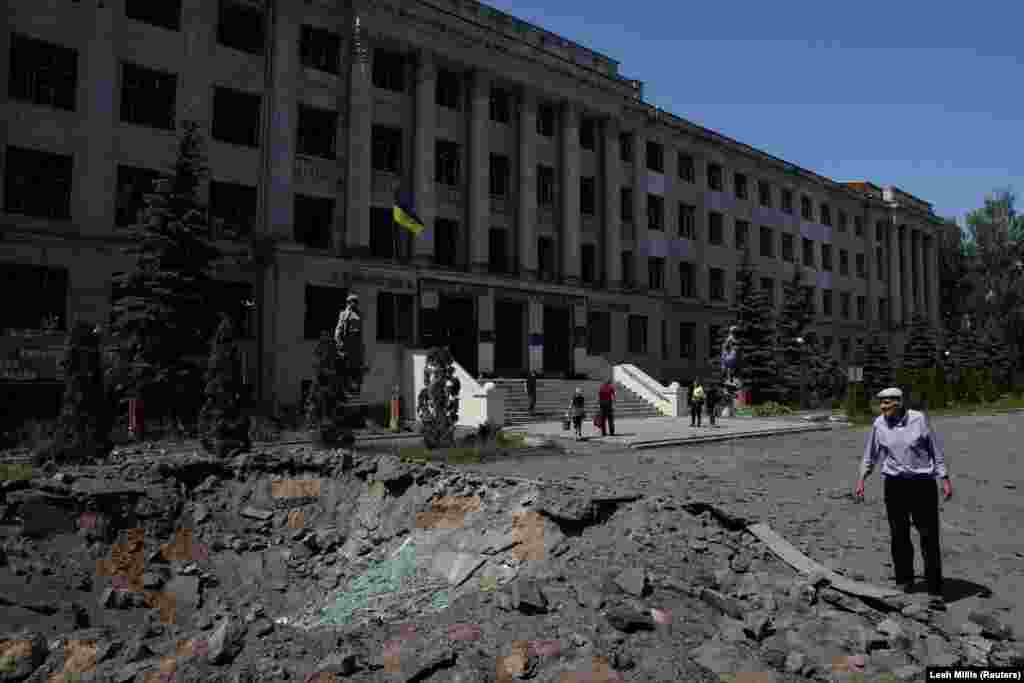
528, 597
795, 662
991, 626
257, 513
629, 620
722, 603
633, 581
226, 641
21, 654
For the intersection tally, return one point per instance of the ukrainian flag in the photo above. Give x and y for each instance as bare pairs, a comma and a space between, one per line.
405, 215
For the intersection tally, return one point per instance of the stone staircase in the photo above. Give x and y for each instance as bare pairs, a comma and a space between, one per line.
553, 396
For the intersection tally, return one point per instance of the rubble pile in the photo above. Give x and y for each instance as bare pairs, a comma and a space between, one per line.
296, 564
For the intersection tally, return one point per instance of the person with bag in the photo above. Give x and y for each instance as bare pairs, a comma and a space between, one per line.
696, 402
576, 412
606, 401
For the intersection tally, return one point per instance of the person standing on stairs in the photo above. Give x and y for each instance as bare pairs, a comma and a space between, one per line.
606, 400
531, 390
577, 413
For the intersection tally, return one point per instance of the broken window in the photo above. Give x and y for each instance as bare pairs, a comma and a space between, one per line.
37, 183
446, 163
233, 210
46, 308
165, 14
236, 117
446, 233
449, 89
387, 149
148, 97
388, 70
317, 133
394, 317
319, 49
240, 26
42, 73
133, 185
323, 304
313, 221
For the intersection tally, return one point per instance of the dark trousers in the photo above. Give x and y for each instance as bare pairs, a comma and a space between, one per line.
695, 411
533, 401
711, 413
607, 419
914, 500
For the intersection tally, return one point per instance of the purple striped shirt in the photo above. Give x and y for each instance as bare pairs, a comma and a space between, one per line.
909, 448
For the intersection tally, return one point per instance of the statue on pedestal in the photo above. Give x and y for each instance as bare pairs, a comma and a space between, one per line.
348, 335
729, 357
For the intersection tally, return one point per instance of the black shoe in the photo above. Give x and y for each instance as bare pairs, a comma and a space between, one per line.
936, 602
906, 586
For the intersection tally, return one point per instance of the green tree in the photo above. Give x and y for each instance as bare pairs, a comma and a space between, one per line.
162, 320
326, 400
224, 426
878, 370
83, 429
955, 284
993, 351
755, 335
921, 350
795, 320
438, 402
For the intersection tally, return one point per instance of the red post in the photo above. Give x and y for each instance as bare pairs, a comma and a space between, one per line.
135, 417
396, 410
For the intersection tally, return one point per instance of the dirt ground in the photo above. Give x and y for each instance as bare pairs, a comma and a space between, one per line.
296, 564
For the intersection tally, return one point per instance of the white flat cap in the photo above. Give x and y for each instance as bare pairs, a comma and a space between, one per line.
891, 392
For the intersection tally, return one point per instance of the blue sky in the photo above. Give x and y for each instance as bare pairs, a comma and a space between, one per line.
925, 96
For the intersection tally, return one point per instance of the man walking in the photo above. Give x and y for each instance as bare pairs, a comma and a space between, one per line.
912, 459
531, 389
606, 400
712, 402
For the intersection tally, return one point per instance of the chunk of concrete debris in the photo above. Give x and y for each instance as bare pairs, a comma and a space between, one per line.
257, 513
722, 603
21, 654
344, 662
991, 626
226, 641
456, 567
629, 620
633, 581
528, 598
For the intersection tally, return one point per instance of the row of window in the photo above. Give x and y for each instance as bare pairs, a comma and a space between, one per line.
599, 329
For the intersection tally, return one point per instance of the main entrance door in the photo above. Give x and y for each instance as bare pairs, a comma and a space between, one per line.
557, 340
456, 326
509, 338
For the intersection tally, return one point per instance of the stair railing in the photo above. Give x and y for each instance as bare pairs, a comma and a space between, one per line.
669, 401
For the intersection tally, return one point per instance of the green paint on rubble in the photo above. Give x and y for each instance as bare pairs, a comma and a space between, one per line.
377, 489
384, 577
488, 583
440, 600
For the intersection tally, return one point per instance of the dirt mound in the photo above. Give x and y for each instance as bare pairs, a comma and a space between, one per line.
298, 564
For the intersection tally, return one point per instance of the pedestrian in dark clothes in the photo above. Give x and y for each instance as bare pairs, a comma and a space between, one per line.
712, 402
912, 459
606, 401
531, 389
696, 400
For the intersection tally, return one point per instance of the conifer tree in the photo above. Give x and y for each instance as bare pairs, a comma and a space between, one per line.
921, 350
794, 322
878, 370
225, 427
755, 335
325, 403
83, 428
162, 320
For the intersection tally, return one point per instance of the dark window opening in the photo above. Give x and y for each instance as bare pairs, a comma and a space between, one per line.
588, 133
394, 317
767, 242
236, 117
588, 195
787, 201
742, 235
388, 70
626, 204
716, 222
655, 157
233, 209
637, 334
688, 341
387, 239
740, 181
42, 73
318, 132
764, 191
133, 185
626, 148
499, 175
387, 149
446, 163
628, 276
501, 105
237, 302
166, 14
449, 89
655, 212
446, 233
716, 284
323, 305
687, 221
715, 177
687, 170
546, 120
687, 280
588, 264
241, 27
37, 183
655, 273
787, 248
43, 305
320, 49
599, 332
497, 251
148, 97
545, 185
546, 257
313, 221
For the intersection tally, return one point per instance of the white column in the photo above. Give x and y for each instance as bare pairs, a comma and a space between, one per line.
569, 246
478, 227
359, 174
921, 298
612, 223
536, 335
908, 294
93, 171
485, 334
932, 281
527, 214
423, 156
895, 278
640, 210
283, 114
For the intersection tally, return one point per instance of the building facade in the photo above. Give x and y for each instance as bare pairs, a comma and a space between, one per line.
569, 224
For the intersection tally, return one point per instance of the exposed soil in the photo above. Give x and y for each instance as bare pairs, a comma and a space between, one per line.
292, 563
